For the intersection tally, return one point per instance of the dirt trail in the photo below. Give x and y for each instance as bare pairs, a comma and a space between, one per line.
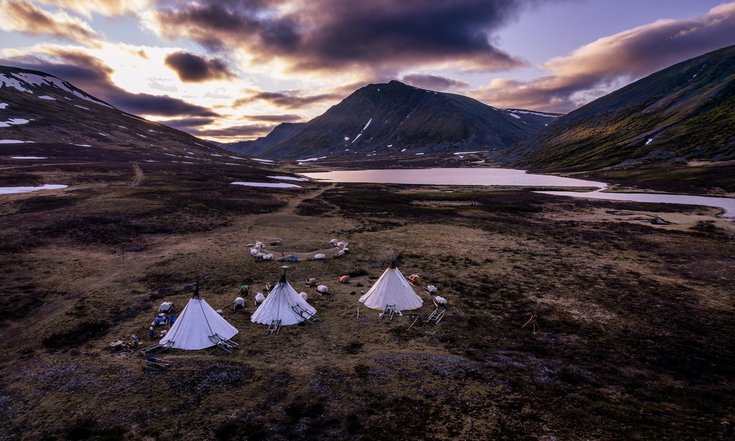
139, 176
294, 202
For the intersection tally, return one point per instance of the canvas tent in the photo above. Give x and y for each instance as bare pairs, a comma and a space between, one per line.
284, 304
198, 326
391, 289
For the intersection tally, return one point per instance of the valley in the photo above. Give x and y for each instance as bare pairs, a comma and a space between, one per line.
630, 313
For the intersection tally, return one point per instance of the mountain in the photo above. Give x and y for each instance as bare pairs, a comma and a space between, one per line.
393, 117
258, 146
681, 113
39, 112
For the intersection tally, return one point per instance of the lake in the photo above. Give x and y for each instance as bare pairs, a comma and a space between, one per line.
453, 176
514, 178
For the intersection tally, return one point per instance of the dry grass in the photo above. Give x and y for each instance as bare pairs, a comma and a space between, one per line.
635, 334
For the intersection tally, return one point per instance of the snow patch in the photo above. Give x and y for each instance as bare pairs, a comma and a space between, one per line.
288, 178
28, 157
347, 138
14, 141
14, 122
311, 159
3, 105
82, 145
47, 98
530, 112
419, 154
363, 129
467, 153
266, 184
515, 116
23, 81
16, 190
367, 124
12, 83
103, 134
650, 140
266, 161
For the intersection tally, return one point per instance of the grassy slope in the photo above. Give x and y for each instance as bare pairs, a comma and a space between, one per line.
688, 110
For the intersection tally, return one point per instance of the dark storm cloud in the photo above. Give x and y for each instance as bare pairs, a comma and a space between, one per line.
288, 100
93, 76
615, 60
155, 104
193, 68
378, 35
434, 82
187, 123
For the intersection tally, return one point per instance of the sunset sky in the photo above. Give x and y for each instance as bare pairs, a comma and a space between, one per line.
230, 70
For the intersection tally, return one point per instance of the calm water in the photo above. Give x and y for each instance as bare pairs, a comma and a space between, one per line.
453, 176
15, 190
516, 178
727, 204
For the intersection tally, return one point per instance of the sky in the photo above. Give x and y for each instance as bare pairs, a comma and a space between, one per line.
229, 70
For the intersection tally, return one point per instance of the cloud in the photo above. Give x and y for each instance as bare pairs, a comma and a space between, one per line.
187, 123
288, 100
274, 118
109, 8
243, 131
93, 76
193, 68
434, 82
319, 35
22, 16
613, 61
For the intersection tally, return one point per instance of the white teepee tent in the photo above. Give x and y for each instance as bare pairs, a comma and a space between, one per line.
195, 325
391, 289
284, 304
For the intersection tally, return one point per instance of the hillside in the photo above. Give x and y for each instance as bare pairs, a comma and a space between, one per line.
682, 113
393, 118
41, 114
258, 146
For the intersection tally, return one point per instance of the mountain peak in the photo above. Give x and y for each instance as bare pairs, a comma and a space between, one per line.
395, 118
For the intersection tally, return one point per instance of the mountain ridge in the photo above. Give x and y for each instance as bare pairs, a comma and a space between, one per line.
392, 118
37, 108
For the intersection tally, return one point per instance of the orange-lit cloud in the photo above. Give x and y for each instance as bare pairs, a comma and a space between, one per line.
23, 16
108, 8
288, 99
613, 61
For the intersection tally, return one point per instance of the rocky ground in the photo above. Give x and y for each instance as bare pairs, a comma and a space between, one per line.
634, 336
